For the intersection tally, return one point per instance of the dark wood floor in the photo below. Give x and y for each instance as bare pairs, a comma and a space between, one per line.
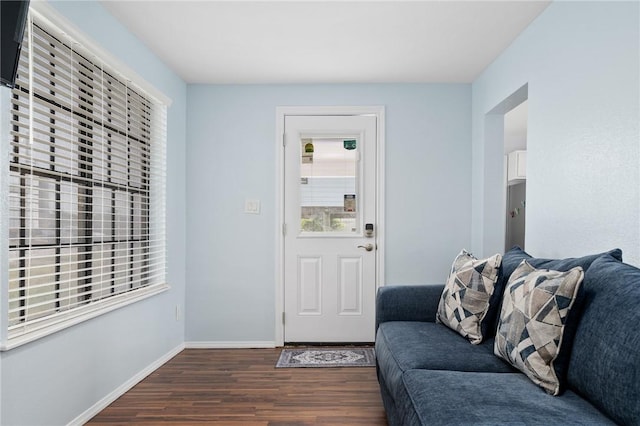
243, 387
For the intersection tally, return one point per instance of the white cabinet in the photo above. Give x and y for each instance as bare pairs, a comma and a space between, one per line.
516, 167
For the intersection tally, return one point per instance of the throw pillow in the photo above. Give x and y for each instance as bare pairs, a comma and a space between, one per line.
532, 321
465, 298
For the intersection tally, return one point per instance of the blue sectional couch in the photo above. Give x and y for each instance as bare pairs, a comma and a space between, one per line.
431, 375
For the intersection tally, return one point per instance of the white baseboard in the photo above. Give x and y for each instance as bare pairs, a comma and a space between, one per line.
122, 389
230, 345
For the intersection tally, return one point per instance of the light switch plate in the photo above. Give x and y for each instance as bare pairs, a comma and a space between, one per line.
252, 206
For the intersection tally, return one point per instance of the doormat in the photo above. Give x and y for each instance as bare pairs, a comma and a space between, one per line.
313, 357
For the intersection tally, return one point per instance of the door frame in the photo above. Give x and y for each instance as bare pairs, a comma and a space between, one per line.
281, 113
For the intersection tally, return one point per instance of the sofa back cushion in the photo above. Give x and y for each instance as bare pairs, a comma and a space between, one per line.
512, 259
564, 265
510, 262
605, 361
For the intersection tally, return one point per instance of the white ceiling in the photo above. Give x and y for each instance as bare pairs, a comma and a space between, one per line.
224, 42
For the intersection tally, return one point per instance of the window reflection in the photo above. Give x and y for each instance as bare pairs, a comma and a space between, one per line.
329, 176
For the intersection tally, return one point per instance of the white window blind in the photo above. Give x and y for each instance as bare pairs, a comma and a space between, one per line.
86, 186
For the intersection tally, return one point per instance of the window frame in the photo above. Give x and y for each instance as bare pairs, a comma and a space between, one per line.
36, 329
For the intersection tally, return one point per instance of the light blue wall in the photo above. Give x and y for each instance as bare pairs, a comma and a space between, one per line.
53, 380
581, 63
231, 156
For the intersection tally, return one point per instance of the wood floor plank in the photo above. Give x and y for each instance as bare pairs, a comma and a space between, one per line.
242, 387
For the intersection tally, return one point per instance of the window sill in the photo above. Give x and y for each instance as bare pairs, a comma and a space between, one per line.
22, 335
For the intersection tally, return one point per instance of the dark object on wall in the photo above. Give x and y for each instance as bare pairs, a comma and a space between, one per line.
14, 20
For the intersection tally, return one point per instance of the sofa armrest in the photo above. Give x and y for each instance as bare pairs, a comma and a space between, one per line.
407, 303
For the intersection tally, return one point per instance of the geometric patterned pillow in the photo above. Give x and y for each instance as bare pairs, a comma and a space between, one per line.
465, 299
532, 322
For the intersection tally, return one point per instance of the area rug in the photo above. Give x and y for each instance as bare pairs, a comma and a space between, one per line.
333, 357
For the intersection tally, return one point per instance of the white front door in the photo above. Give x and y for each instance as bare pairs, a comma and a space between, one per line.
330, 228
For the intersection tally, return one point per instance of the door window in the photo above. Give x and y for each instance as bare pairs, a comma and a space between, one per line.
329, 185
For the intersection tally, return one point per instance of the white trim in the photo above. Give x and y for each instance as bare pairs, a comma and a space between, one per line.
126, 386
48, 13
5, 144
5, 101
281, 113
380, 198
230, 345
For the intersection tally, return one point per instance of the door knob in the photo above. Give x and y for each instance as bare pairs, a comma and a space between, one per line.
367, 247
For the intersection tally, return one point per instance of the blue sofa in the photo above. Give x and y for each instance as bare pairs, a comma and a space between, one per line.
431, 375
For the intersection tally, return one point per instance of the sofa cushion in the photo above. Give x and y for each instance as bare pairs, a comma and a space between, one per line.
531, 329
465, 299
512, 259
510, 262
405, 345
465, 398
571, 262
605, 361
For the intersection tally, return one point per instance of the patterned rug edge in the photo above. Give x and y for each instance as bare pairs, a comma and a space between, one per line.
326, 358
